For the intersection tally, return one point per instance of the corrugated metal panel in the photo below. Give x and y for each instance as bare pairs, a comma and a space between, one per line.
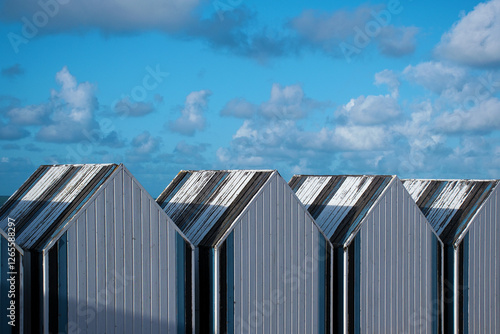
482, 299
449, 205
122, 263
205, 203
49, 198
277, 265
338, 203
398, 267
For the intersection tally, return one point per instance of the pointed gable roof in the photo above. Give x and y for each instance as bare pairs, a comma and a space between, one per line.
449, 205
338, 203
50, 197
203, 204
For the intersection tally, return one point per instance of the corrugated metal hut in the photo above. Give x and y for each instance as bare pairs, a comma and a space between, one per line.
465, 214
260, 259
99, 254
386, 257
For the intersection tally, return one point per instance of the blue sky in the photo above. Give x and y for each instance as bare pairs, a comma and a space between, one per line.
390, 87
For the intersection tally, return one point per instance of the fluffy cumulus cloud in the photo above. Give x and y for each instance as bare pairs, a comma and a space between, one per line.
420, 137
371, 110
286, 142
389, 78
143, 146
346, 33
287, 103
482, 118
68, 116
192, 117
475, 39
436, 76
30, 115
72, 110
239, 108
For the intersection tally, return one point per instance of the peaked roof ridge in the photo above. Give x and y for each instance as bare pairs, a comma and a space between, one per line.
450, 180
339, 203
52, 195
227, 170
204, 203
450, 205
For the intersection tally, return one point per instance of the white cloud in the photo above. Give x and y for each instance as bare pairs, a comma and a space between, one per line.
145, 144
390, 79
30, 115
287, 102
355, 30
361, 138
475, 39
322, 27
483, 117
192, 117
72, 110
346, 138
371, 110
436, 76
239, 108
397, 41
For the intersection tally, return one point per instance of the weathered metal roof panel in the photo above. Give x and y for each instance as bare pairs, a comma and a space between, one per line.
338, 203
204, 203
449, 205
50, 197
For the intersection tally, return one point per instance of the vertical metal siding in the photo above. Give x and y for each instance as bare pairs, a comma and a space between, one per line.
276, 265
104, 207
396, 249
121, 259
484, 269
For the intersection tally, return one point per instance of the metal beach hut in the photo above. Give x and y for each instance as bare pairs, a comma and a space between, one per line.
465, 214
99, 253
386, 258
260, 260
